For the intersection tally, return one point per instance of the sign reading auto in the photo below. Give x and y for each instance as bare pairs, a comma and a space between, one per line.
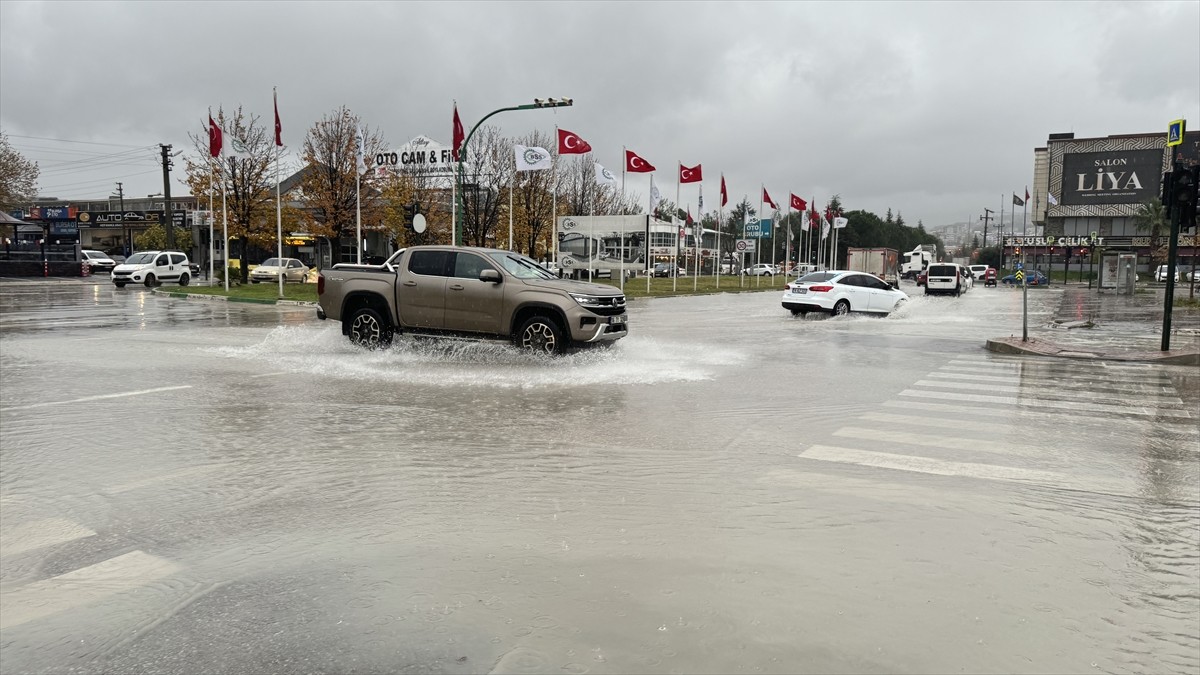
420, 154
1114, 177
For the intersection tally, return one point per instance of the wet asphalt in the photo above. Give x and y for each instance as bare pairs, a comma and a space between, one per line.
194, 486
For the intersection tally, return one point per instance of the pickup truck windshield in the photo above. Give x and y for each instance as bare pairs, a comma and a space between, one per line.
520, 267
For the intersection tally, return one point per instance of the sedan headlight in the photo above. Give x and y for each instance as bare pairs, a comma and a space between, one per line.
594, 301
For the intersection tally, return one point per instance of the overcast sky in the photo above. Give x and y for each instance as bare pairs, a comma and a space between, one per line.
931, 109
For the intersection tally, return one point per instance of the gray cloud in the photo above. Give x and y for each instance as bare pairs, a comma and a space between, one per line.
929, 108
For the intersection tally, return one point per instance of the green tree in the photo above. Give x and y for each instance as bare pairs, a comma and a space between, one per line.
154, 238
18, 179
888, 219
899, 220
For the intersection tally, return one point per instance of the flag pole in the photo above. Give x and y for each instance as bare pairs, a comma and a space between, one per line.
554, 200
762, 191
512, 181
278, 206
774, 215
696, 239
621, 207
787, 256
649, 217
358, 246
212, 245
742, 254
675, 272
720, 256
225, 224
1025, 215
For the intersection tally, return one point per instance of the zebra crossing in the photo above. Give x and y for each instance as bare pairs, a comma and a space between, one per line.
1052, 423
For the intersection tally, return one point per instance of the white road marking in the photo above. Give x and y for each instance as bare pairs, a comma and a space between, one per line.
1027, 414
1047, 403
100, 396
940, 467
1080, 375
39, 534
1057, 381
254, 377
1100, 392
932, 440
938, 423
82, 586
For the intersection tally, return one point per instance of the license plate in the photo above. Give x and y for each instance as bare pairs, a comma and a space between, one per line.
617, 320
800, 291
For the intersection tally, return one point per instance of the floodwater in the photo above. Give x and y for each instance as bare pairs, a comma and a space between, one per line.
191, 486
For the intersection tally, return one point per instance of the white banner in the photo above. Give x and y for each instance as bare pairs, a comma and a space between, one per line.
420, 154
531, 158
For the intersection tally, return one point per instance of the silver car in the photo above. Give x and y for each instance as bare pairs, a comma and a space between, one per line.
269, 270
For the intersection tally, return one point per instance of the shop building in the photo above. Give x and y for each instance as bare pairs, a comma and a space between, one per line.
1088, 192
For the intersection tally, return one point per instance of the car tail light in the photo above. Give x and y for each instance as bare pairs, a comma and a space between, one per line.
320, 284
820, 289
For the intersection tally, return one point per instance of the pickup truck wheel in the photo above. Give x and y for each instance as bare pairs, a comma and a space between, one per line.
540, 334
369, 329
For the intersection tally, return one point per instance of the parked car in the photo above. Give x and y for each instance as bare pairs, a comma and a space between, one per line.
841, 292
1032, 278
98, 260
761, 270
292, 269
1182, 273
668, 270
153, 268
922, 277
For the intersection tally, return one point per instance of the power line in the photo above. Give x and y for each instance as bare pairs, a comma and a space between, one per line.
64, 140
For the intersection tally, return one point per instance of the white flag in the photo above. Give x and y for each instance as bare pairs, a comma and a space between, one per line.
532, 158
358, 150
655, 195
839, 223
700, 210
824, 227
804, 221
604, 176
1053, 201
232, 146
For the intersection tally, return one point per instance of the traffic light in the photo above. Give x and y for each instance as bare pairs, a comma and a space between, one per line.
1183, 192
410, 212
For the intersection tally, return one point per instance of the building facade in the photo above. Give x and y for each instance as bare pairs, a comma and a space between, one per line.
1088, 193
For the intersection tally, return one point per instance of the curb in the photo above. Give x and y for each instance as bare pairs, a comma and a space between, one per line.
1035, 347
223, 298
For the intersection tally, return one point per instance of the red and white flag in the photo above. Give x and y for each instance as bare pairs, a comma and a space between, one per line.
798, 204
278, 125
767, 198
635, 164
572, 144
459, 136
724, 194
691, 174
214, 137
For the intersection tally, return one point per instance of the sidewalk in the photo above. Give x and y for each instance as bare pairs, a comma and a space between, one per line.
1107, 326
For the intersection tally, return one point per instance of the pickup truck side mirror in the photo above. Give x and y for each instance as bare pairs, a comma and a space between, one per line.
490, 275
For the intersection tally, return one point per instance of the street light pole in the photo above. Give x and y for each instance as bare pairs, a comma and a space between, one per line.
460, 203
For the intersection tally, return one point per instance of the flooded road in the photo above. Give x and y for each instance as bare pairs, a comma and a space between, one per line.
195, 486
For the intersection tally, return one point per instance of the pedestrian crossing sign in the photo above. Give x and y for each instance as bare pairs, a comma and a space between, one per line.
1175, 133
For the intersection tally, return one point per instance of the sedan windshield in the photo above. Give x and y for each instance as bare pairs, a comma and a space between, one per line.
270, 262
520, 267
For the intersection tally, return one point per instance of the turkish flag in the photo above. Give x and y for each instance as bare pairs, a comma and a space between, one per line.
635, 164
724, 194
690, 174
214, 137
459, 136
767, 198
799, 204
689, 216
572, 144
278, 125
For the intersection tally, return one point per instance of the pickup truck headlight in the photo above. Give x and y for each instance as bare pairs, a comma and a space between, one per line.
593, 301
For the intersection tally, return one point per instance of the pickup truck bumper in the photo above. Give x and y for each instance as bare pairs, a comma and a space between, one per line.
599, 328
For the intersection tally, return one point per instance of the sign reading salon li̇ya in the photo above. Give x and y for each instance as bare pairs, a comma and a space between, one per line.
1111, 177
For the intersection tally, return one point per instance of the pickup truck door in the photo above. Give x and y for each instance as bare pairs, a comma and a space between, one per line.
421, 289
472, 305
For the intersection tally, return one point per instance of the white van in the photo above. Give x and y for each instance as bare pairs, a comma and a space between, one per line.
153, 268
946, 278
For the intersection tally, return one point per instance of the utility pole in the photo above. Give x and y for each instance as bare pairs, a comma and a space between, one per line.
170, 221
124, 227
987, 215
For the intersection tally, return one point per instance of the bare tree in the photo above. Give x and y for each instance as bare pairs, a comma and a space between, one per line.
247, 181
328, 189
486, 172
18, 178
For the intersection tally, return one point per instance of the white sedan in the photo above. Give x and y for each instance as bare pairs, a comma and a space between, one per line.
841, 292
293, 270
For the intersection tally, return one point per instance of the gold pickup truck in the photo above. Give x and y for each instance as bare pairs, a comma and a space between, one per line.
479, 293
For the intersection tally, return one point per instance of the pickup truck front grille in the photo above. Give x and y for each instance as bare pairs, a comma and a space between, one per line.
610, 306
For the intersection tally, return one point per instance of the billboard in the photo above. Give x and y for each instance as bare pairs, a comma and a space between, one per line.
421, 154
1111, 177
603, 242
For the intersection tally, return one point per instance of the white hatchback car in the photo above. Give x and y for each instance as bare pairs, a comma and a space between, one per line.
97, 260
841, 292
153, 268
979, 271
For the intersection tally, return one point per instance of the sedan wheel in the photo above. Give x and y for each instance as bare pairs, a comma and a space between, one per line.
842, 308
